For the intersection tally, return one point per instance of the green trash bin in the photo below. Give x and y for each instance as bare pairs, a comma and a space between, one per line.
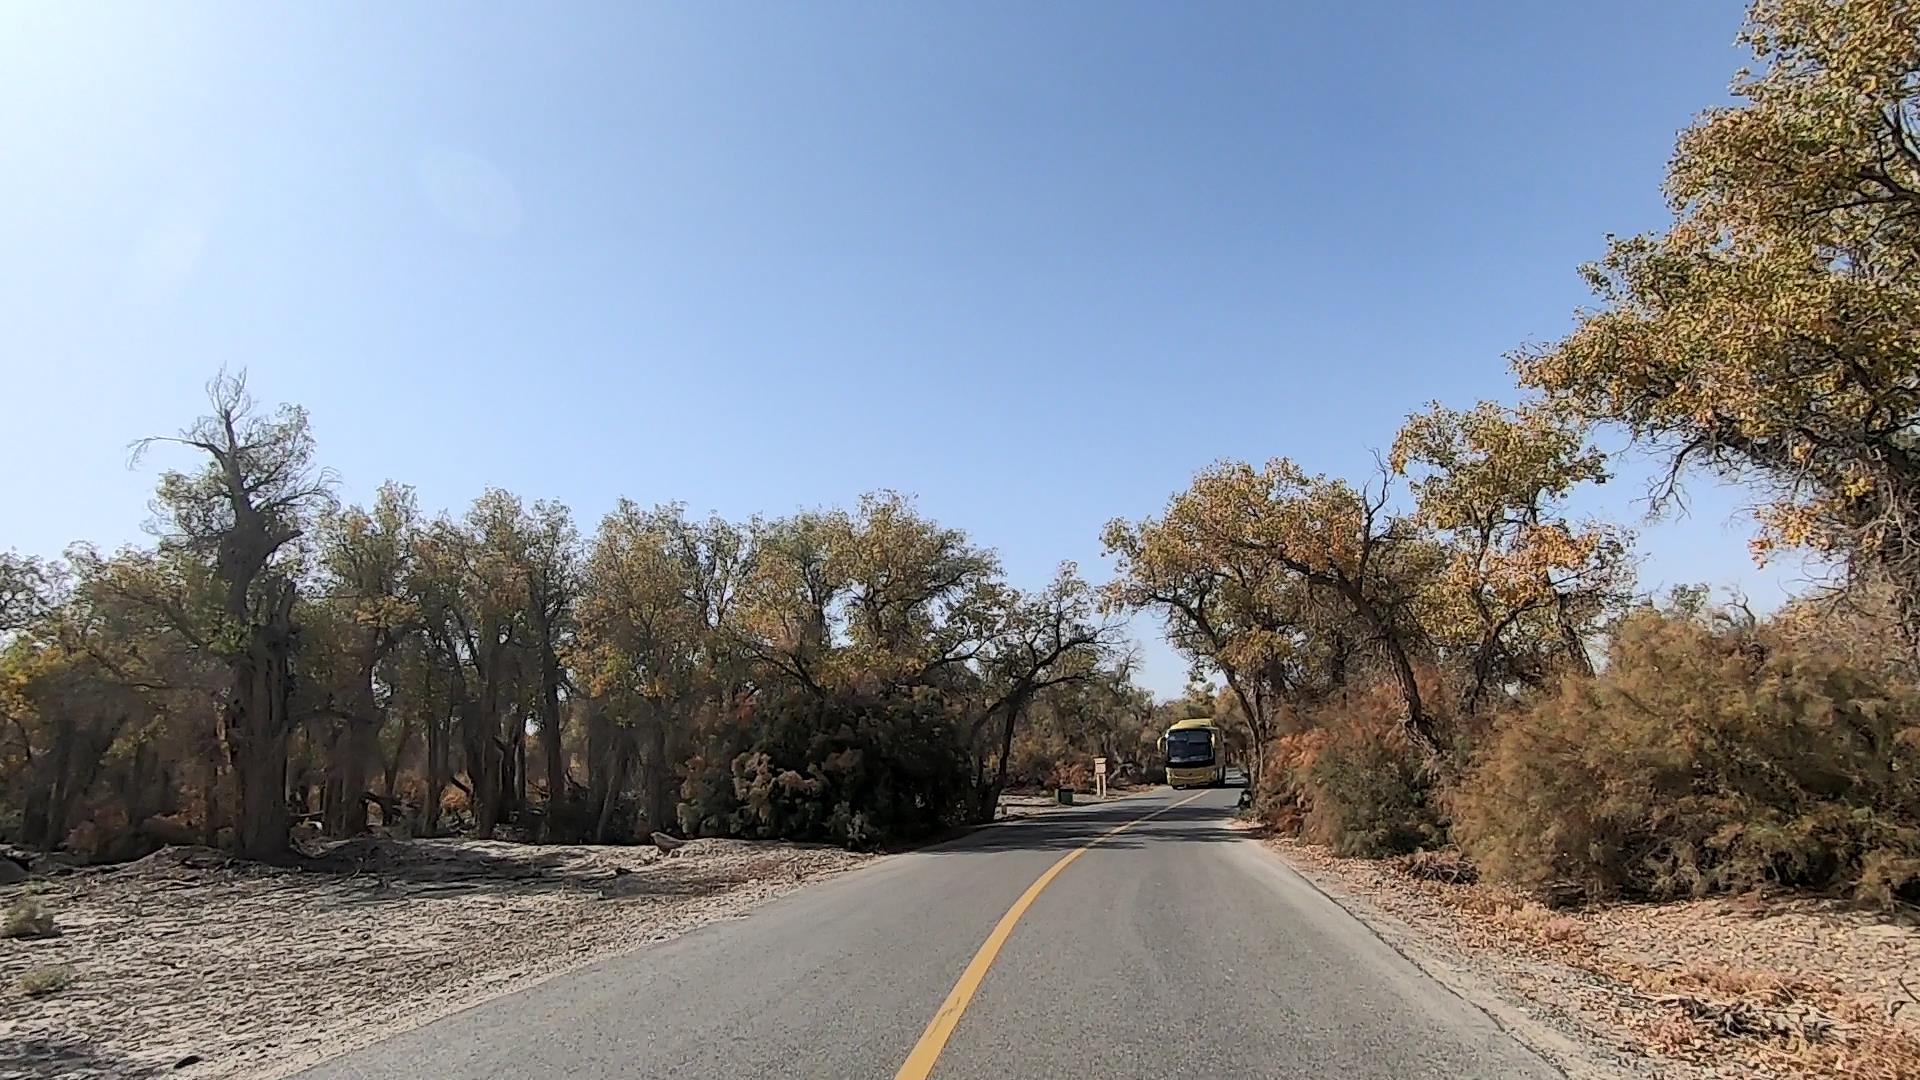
1064, 795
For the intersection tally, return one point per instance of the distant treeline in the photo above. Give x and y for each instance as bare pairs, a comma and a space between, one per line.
853, 676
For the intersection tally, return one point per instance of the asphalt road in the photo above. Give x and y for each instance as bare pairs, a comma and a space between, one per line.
1174, 948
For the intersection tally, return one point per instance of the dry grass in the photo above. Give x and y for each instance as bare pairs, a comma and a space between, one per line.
1792, 1026
42, 981
27, 919
1537, 923
1447, 865
1517, 916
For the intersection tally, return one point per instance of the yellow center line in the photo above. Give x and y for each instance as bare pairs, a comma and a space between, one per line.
920, 1062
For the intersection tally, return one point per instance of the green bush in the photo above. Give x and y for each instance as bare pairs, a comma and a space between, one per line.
1708, 756
850, 769
1352, 781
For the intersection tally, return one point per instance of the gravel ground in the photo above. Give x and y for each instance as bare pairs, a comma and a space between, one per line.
192, 964
1739, 988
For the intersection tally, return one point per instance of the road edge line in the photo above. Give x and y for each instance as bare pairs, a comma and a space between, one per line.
1478, 992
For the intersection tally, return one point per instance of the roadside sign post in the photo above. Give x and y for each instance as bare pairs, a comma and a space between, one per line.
1100, 777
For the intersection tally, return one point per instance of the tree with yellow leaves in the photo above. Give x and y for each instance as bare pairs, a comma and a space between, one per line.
1261, 571
1523, 584
1221, 611
656, 588
1773, 334
361, 615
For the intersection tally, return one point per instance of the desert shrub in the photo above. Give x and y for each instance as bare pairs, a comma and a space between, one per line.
1855, 622
706, 799
1447, 865
1036, 762
853, 770
1077, 775
41, 981
27, 919
1530, 921
1708, 756
1353, 781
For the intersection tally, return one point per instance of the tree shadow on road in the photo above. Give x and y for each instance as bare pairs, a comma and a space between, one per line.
43, 1057
1066, 830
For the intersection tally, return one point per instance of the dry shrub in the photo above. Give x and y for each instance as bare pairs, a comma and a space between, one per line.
46, 980
1352, 781
1077, 775
1707, 757
1447, 866
27, 919
1781, 1025
1536, 923
1517, 918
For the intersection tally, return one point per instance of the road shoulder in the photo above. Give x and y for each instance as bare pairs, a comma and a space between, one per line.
1648, 992
194, 964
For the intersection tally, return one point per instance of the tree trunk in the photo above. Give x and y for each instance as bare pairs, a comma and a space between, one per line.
363, 736
481, 750
660, 800
513, 786
33, 821
439, 753
45, 818
519, 767
555, 753
1260, 708
600, 733
146, 784
1419, 725
210, 801
304, 791
989, 806
390, 764
256, 725
1483, 659
1577, 654
355, 746
483, 781
257, 728
346, 811
615, 775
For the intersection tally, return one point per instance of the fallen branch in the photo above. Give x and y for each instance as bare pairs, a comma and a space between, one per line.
1775, 1015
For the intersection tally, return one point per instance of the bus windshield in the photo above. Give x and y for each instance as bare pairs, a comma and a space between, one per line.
1192, 747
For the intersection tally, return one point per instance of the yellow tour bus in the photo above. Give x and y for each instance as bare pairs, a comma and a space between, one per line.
1196, 754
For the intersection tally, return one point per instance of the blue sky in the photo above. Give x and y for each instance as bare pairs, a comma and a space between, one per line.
1034, 263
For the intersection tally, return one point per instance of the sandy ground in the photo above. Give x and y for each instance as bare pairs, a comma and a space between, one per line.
191, 964
1734, 988
1024, 804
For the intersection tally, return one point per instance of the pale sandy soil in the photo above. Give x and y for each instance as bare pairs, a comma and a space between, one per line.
1021, 804
242, 970
193, 964
1733, 988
